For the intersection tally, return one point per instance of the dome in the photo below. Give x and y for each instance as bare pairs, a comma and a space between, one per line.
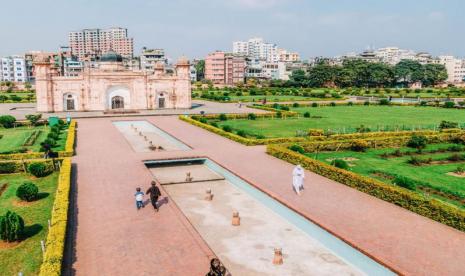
183, 61
111, 56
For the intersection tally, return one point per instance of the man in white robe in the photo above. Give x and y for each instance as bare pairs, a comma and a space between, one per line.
298, 176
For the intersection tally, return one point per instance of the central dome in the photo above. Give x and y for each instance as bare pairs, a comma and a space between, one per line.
111, 56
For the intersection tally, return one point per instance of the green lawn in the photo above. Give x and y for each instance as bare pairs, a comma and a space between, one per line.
13, 138
27, 255
436, 175
348, 118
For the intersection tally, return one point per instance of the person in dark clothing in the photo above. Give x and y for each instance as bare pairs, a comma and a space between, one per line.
154, 194
217, 268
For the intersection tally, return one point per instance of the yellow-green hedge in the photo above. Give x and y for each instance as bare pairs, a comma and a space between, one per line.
21, 165
69, 148
317, 140
428, 207
53, 257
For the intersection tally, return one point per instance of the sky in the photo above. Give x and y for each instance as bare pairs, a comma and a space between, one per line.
196, 27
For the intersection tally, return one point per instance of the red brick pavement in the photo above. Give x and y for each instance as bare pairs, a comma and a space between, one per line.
113, 239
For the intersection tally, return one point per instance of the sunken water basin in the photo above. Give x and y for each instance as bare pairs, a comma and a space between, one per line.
145, 137
265, 224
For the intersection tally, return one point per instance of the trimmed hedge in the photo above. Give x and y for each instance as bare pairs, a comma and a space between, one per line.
68, 152
18, 166
409, 200
55, 244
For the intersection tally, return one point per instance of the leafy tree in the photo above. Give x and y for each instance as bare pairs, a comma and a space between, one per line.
408, 71
417, 142
298, 78
434, 74
322, 75
7, 121
11, 227
200, 68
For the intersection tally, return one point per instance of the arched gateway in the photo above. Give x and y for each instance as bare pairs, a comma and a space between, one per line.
118, 97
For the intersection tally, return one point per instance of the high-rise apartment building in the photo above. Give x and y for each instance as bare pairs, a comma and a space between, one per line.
455, 68
224, 68
92, 43
150, 57
13, 69
256, 48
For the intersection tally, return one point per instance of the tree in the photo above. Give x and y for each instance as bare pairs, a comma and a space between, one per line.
298, 77
408, 71
33, 118
380, 74
28, 86
417, 142
321, 75
200, 68
434, 74
11, 227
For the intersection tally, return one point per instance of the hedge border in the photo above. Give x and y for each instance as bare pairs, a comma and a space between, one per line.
68, 152
335, 137
55, 244
412, 201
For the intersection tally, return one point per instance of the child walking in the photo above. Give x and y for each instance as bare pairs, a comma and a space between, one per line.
139, 199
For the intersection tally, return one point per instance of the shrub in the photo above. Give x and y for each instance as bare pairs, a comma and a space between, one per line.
202, 120
214, 124
285, 108
423, 103
366, 103
405, 182
27, 191
223, 117
315, 132
414, 161
38, 169
251, 116
279, 114
7, 167
55, 136
307, 114
297, 148
384, 102
314, 105
448, 124
350, 103
417, 142
295, 105
363, 129
455, 148
359, 145
33, 118
332, 104
227, 128
11, 227
7, 121
459, 170
242, 133
449, 104
341, 164
455, 157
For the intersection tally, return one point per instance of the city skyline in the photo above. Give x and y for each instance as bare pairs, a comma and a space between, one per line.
194, 29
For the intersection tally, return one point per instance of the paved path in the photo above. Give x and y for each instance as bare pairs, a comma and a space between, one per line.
113, 237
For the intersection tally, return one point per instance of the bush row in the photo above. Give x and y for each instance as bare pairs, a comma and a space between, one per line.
55, 244
409, 200
68, 152
17, 166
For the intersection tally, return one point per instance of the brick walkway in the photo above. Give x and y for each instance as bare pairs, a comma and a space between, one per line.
112, 237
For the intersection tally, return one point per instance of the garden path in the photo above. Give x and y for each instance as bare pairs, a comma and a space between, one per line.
113, 239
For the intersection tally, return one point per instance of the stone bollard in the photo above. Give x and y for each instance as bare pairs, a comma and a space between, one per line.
140, 133
236, 220
208, 195
189, 177
145, 138
278, 256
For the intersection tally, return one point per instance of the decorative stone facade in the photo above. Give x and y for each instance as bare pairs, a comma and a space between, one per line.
111, 87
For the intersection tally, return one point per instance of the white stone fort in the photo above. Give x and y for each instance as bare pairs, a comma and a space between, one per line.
110, 87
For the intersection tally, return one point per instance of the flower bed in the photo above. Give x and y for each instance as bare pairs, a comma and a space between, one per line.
428, 207
55, 244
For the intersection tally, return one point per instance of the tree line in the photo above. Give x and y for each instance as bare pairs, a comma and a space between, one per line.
361, 73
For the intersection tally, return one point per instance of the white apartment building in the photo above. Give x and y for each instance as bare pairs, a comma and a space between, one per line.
150, 57
256, 48
288, 56
13, 69
393, 55
455, 68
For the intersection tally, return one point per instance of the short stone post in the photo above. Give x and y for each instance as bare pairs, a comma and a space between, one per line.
140, 133
278, 256
208, 195
145, 138
236, 220
49, 224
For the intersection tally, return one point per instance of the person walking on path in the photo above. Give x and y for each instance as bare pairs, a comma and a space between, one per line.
298, 176
154, 194
139, 199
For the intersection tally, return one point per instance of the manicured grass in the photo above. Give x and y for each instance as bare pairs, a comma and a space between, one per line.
13, 138
367, 162
348, 118
27, 255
